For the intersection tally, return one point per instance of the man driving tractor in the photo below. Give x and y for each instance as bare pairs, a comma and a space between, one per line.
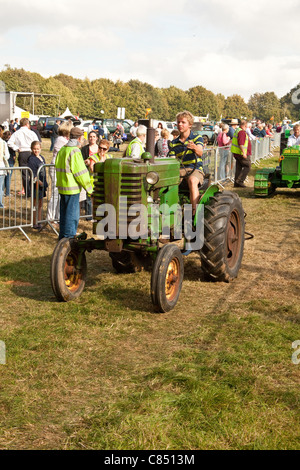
188, 148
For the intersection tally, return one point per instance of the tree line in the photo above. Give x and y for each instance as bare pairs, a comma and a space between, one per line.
89, 98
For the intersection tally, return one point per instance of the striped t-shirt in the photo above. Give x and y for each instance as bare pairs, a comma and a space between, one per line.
179, 150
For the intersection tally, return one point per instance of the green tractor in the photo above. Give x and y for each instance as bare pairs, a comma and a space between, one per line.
142, 218
285, 175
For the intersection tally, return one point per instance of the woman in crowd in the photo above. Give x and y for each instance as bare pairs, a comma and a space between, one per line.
11, 162
117, 137
4, 157
35, 161
223, 141
162, 145
87, 151
100, 156
62, 139
91, 148
159, 128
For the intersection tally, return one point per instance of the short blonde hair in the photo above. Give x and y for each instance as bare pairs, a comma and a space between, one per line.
187, 115
165, 133
65, 128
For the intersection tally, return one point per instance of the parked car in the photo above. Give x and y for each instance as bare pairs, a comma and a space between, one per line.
34, 124
45, 125
205, 131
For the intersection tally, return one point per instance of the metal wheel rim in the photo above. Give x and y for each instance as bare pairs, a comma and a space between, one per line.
233, 238
172, 279
73, 277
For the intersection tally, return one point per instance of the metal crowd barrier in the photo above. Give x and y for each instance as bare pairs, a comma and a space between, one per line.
262, 148
20, 210
219, 163
17, 210
49, 212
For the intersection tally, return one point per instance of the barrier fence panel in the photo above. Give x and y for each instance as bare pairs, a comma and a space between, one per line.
219, 163
17, 210
21, 210
47, 202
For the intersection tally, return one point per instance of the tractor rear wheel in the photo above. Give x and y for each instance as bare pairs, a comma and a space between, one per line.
166, 278
67, 276
224, 228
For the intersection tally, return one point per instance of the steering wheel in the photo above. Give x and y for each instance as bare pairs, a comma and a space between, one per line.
182, 166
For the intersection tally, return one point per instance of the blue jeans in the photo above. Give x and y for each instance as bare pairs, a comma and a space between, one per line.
7, 180
69, 215
1, 189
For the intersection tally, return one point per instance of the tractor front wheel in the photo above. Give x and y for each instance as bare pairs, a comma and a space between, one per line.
167, 277
224, 228
68, 270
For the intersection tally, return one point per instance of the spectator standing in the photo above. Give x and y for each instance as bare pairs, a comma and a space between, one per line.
162, 145
136, 146
54, 133
241, 150
174, 134
268, 130
4, 157
159, 128
259, 131
35, 161
101, 131
93, 127
133, 129
88, 151
16, 124
62, 139
72, 175
294, 139
21, 141
233, 125
5, 125
117, 137
248, 130
105, 129
11, 161
11, 126
223, 141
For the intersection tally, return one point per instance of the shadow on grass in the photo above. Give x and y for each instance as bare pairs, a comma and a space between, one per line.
30, 278
132, 298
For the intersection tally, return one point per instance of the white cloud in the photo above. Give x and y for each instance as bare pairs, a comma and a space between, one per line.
229, 48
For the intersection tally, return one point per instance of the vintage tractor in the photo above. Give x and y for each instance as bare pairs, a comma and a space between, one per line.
143, 220
285, 175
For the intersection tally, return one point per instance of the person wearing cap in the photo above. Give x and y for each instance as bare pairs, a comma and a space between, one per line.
136, 146
241, 151
71, 176
232, 127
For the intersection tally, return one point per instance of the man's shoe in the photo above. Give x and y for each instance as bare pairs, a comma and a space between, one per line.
239, 185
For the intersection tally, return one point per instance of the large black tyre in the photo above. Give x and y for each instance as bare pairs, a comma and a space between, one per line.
67, 279
224, 228
166, 278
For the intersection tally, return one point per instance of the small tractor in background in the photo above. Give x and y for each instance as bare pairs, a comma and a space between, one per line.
123, 184
285, 175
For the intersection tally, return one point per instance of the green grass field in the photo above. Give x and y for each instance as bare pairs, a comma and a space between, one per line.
106, 372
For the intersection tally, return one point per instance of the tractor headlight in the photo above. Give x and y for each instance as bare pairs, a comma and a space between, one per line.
152, 177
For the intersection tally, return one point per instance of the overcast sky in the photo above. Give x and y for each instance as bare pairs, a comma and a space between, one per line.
239, 47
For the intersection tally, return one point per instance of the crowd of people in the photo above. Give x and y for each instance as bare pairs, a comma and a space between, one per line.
74, 159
